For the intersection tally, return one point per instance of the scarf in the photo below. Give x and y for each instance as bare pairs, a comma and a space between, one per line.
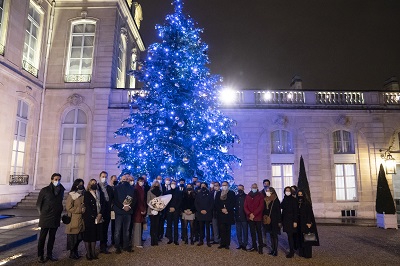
103, 187
224, 194
74, 195
269, 199
96, 196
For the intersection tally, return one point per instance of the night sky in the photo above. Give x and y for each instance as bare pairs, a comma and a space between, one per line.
331, 44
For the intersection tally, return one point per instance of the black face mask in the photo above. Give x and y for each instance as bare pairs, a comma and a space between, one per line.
80, 187
93, 187
182, 185
156, 188
115, 183
300, 198
204, 189
240, 192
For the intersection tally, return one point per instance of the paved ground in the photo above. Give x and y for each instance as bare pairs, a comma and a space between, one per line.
340, 245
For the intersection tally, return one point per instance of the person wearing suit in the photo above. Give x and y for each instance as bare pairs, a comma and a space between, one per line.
93, 218
49, 205
225, 207
273, 210
215, 229
107, 193
241, 219
290, 213
204, 205
173, 211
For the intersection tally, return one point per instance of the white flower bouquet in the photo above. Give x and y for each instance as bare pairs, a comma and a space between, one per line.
159, 203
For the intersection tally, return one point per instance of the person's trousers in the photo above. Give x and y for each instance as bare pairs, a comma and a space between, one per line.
264, 234
196, 229
137, 234
122, 223
104, 234
172, 220
154, 228
274, 242
215, 230
256, 233
113, 232
184, 229
161, 225
242, 233
50, 242
204, 226
225, 234
291, 242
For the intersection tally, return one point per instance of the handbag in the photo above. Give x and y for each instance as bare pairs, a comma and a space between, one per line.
267, 218
310, 237
66, 219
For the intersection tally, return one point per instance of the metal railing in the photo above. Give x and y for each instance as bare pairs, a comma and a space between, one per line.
340, 98
279, 97
30, 68
78, 78
391, 97
19, 179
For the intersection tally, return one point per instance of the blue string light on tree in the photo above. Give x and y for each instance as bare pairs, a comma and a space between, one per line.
175, 128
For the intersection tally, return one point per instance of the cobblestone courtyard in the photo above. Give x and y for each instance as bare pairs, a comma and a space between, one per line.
340, 245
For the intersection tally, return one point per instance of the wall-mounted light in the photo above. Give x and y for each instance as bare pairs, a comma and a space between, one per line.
390, 161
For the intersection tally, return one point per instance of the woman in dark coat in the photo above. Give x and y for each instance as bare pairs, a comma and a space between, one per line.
224, 206
290, 213
204, 203
93, 218
273, 210
188, 212
306, 225
154, 192
139, 213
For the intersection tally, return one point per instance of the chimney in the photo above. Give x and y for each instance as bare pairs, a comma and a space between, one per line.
391, 84
296, 83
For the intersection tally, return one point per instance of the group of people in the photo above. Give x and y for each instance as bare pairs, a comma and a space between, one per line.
205, 211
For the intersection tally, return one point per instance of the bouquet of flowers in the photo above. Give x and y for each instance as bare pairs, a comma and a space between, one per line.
159, 203
127, 201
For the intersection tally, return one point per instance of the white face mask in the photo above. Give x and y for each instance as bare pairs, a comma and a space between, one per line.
254, 190
131, 183
56, 183
103, 180
173, 186
141, 184
167, 182
224, 188
288, 193
268, 194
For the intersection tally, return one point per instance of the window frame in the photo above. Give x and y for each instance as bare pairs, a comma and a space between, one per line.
132, 79
73, 153
283, 182
18, 138
345, 182
80, 77
342, 142
287, 148
121, 73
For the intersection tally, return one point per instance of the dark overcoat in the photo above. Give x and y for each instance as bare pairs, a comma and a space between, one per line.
204, 201
228, 204
290, 213
306, 216
50, 206
273, 208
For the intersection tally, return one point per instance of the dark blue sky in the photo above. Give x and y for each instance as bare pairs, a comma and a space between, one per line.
331, 44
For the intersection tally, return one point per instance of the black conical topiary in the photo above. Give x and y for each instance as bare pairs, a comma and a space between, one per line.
302, 183
384, 198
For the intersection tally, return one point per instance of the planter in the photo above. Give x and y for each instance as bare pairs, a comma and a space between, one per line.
386, 220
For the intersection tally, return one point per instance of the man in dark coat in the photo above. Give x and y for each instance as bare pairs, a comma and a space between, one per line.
224, 205
173, 211
106, 192
124, 203
50, 207
204, 208
290, 213
241, 219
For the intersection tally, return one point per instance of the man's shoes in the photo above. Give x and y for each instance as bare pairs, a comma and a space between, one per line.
209, 244
200, 243
176, 243
51, 258
226, 247
41, 259
260, 250
73, 256
215, 242
221, 246
128, 250
244, 248
170, 242
88, 257
251, 249
239, 247
290, 255
139, 246
104, 251
118, 251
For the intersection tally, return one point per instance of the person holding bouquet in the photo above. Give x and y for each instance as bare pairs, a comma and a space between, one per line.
154, 192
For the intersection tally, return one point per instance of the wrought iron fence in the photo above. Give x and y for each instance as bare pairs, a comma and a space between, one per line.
19, 179
391, 97
78, 78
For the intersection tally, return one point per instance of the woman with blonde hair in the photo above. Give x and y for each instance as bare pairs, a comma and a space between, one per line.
93, 218
154, 192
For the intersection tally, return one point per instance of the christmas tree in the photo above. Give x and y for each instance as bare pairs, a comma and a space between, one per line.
175, 128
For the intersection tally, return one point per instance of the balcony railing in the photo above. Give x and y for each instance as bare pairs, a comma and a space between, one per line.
29, 68
391, 97
279, 97
1, 49
340, 98
78, 78
19, 179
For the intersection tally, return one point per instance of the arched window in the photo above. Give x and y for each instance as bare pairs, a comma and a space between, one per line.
121, 64
19, 144
73, 145
81, 47
342, 142
281, 142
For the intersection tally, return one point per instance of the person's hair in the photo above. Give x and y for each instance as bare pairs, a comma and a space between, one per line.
294, 187
266, 180
204, 184
155, 183
225, 182
140, 178
54, 175
305, 197
195, 177
90, 183
76, 184
114, 176
173, 181
240, 185
182, 179
217, 183
103, 172
290, 188
272, 190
